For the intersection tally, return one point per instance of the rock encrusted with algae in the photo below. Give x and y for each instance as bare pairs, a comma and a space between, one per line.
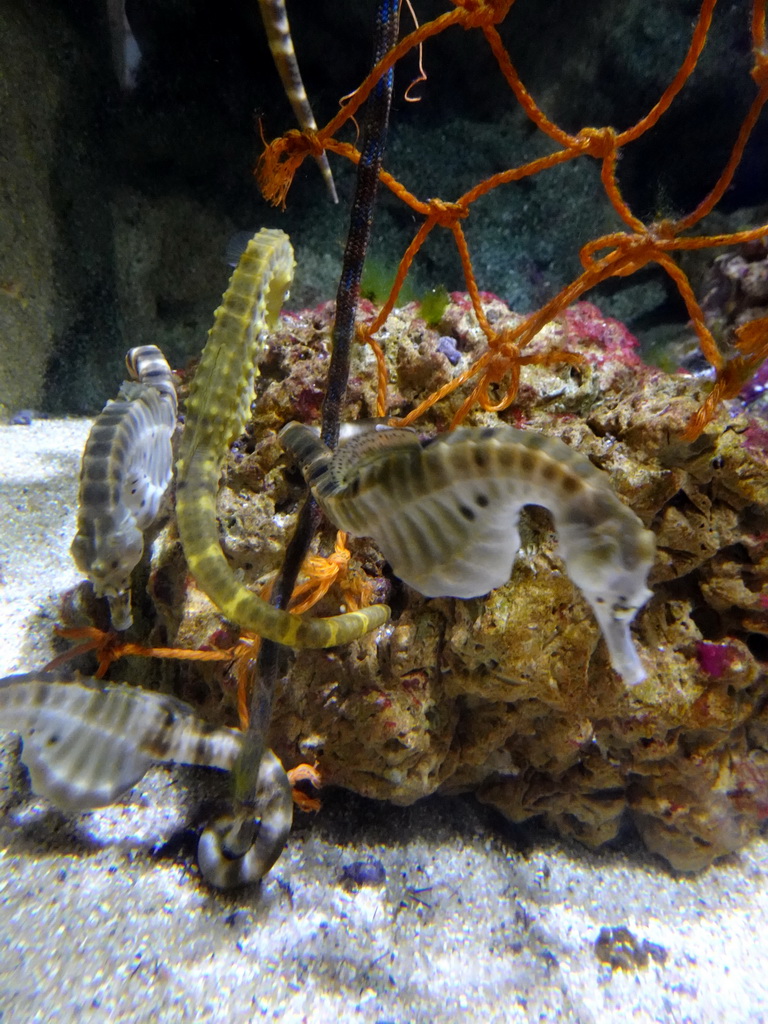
736, 291
512, 696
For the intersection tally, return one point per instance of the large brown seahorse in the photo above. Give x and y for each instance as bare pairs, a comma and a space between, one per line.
444, 513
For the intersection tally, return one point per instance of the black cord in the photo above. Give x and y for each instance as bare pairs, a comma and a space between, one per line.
375, 128
361, 219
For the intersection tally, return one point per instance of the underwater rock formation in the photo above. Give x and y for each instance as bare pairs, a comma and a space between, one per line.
512, 696
735, 288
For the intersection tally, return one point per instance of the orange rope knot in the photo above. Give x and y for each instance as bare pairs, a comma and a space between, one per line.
502, 358
483, 12
322, 572
315, 146
446, 214
663, 230
597, 142
639, 250
280, 161
505, 361
107, 647
627, 252
588, 252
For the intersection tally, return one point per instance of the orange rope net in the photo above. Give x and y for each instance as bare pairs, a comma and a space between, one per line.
614, 255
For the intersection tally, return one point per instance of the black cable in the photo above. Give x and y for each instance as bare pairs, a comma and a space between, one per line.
375, 128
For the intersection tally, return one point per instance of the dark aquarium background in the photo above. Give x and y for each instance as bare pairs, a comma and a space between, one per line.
117, 203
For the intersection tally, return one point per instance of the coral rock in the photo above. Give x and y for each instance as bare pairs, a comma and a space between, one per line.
512, 696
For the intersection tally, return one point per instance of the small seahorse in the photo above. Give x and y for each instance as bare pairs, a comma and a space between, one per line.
86, 742
275, 18
444, 513
217, 409
126, 469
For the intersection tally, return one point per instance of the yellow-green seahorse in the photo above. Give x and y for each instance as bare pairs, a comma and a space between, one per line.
217, 410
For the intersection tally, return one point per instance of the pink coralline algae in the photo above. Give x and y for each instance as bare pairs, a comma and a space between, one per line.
715, 659
756, 435
464, 302
584, 322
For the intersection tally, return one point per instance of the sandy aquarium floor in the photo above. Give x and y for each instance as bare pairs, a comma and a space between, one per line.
103, 917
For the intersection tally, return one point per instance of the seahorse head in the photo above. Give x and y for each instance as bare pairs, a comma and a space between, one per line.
611, 567
108, 557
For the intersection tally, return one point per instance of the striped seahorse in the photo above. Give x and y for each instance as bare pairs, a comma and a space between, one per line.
86, 742
126, 469
217, 409
444, 513
275, 18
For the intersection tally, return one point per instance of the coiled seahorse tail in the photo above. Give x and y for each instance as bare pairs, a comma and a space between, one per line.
278, 29
240, 848
444, 513
126, 468
217, 410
